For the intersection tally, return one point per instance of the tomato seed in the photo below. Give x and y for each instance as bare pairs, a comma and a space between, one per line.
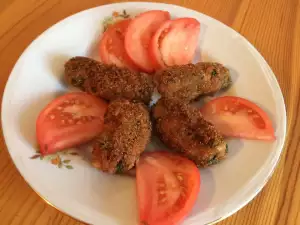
233, 110
162, 185
163, 200
70, 121
179, 176
183, 194
52, 117
109, 48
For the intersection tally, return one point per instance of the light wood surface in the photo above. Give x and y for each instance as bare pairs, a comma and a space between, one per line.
272, 26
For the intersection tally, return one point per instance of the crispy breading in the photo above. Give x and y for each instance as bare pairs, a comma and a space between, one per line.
108, 81
188, 82
182, 128
127, 131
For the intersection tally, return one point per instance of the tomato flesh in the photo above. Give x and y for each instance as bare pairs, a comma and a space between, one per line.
167, 187
238, 117
139, 34
175, 42
68, 121
111, 47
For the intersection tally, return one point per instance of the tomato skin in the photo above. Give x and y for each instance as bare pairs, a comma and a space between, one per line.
69, 120
111, 47
238, 117
169, 194
137, 40
174, 43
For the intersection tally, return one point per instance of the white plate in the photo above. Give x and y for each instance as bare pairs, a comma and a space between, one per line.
97, 198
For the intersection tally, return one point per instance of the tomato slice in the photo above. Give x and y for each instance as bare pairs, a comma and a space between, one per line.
167, 187
238, 117
69, 120
111, 47
139, 34
174, 43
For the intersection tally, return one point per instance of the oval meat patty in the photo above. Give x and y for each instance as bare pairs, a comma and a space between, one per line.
182, 128
127, 131
108, 81
188, 82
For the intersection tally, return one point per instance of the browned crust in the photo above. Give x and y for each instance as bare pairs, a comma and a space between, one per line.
182, 128
127, 131
188, 82
108, 81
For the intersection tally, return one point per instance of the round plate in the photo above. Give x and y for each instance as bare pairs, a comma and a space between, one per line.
69, 183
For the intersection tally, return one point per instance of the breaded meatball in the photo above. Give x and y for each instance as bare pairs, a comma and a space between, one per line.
188, 82
127, 131
108, 81
182, 128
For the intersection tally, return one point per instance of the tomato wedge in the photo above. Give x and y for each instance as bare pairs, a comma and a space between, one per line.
111, 47
139, 34
167, 188
174, 43
238, 117
69, 120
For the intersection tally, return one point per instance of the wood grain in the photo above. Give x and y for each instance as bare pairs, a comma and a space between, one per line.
273, 27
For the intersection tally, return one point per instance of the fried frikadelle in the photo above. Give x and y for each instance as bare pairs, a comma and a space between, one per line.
108, 81
188, 82
127, 131
182, 128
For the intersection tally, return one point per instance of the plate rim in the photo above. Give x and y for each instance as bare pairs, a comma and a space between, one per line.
271, 76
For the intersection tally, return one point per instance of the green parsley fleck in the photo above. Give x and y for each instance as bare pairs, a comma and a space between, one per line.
213, 161
214, 72
119, 167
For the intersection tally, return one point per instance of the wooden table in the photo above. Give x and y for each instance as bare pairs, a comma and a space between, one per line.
272, 26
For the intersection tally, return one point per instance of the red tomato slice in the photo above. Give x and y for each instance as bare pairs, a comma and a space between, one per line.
175, 42
238, 117
167, 188
112, 49
69, 120
139, 34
